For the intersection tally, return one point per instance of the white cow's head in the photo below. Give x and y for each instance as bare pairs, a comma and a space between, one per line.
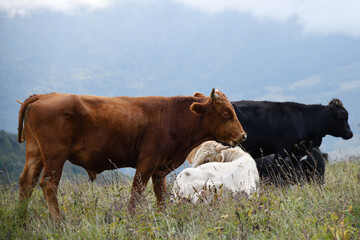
208, 152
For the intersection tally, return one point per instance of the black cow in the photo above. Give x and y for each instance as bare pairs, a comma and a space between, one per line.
279, 171
277, 127
313, 165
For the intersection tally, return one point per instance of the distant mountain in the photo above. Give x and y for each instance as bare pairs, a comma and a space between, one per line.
165, 48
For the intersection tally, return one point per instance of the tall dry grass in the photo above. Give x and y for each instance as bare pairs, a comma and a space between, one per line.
93, 211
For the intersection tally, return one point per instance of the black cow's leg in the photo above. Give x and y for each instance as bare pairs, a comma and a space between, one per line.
297, 170
282, 169
320, 168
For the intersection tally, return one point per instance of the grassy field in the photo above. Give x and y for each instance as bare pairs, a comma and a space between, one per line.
94, 211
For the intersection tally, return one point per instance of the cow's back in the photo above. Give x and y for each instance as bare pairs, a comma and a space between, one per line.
269, 126
98, 132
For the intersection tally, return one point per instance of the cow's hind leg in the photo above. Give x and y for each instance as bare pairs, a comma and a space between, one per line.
53, 166
30, 174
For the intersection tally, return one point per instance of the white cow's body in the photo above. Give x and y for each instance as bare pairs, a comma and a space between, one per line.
235, 173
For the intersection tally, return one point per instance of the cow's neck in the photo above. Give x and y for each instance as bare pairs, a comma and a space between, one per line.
189, 127
186, 132
316, 121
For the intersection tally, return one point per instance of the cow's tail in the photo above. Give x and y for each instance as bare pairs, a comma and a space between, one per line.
24, 107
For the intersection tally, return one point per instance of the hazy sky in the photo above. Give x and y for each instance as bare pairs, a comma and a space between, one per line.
332, 20
315, 16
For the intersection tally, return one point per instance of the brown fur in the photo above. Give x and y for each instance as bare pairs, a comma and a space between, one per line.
152, 134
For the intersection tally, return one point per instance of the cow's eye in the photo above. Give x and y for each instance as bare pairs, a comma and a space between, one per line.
206, 160
341, 115
226, 114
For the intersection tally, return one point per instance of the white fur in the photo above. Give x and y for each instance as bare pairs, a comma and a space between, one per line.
208, 152
235, 173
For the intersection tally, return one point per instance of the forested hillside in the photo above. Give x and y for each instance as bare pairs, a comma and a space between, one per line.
12, 157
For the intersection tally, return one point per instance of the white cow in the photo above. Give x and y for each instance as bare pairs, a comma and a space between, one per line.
206, 152
235, 172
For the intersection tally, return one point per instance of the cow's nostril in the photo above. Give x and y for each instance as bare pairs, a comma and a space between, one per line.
350, 135
244, 137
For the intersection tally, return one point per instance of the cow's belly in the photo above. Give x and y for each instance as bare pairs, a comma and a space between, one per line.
104, 148
99, 160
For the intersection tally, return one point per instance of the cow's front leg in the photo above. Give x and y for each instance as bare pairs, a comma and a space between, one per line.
142, 176
159, 184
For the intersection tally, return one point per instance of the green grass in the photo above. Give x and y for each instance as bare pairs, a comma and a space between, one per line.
93, 211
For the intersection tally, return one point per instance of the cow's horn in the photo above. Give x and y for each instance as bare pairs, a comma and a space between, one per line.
220, 148
214, 96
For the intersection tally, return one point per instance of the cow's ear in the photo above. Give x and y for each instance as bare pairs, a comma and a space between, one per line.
219, 158
197, 94
200, 109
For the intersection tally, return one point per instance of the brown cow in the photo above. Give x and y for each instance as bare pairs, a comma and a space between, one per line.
152, 134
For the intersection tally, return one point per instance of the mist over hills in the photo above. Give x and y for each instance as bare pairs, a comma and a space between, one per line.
165, 48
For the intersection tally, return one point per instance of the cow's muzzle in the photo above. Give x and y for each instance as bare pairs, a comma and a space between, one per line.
348, 136
241, 139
